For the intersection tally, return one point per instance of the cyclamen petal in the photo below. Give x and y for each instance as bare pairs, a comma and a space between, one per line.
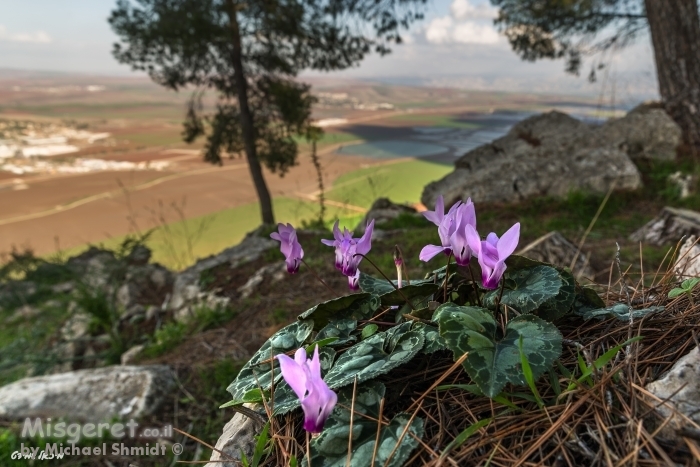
304, 377
289, 246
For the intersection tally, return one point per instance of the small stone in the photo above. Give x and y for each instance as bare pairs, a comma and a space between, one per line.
152, 312
130, 355
139, 255
76, 327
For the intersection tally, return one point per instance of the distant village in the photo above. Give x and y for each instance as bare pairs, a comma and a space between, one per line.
28, 147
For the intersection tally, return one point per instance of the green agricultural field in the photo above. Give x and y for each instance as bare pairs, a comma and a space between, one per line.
179, 244
402, 182
446, 121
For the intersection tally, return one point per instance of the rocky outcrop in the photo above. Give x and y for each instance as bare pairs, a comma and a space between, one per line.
382, 211
677, 394
90, 395
555, 249
669, 227
187, 292
550, 154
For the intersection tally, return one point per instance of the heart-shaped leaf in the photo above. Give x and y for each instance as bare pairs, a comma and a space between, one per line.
330, 448
355, 306
432, 340
257, 373
526, 289
492, 362
561, 304
374, 356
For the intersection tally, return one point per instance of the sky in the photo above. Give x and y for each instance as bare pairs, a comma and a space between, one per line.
456, 46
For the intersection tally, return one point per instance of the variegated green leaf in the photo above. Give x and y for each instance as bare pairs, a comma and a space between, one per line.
561, 304
493, 362
354, 306
374, 356
526, 289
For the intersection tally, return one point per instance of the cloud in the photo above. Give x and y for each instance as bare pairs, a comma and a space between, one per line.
38, 37
466, 24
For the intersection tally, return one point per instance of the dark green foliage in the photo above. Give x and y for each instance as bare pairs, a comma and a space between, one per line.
492, 361
553, 29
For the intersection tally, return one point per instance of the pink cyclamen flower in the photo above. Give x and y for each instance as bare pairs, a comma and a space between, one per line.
289, 246
460, 214
348, 250
492, 252
304, 377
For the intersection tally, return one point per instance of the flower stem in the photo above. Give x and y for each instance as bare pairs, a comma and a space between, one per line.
318, 277
476, 288
447, 276
390, 282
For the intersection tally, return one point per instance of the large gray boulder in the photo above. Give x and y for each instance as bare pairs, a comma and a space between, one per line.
548, 154
553, 154
88, 395
646, 132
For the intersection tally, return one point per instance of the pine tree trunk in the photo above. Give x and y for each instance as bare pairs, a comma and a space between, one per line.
675, 35
248, 131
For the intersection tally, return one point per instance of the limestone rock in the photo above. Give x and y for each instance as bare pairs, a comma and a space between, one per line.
688, 264
647, 131
668, 227
139, 255
681, 386
554, 248
186, 290
90, 395
239, 435
549, 154
383, 210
